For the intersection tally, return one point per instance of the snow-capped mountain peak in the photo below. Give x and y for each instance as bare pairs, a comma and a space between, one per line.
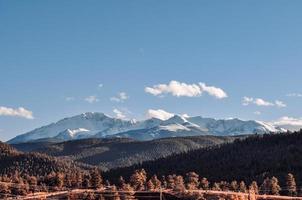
94, 124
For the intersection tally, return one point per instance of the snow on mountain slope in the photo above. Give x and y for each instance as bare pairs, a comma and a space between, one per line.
90, 121
233, 126
98, 125
174, 127
74, 134
173, 130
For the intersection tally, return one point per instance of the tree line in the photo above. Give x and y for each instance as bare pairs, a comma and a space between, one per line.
17, 184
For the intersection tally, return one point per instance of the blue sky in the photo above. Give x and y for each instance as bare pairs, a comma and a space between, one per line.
54, 54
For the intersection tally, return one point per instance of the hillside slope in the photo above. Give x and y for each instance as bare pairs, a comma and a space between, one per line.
121, 152
250, 159
33, 164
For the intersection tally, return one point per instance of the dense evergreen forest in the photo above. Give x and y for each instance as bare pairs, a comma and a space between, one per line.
121, 152
253, 158
32, 164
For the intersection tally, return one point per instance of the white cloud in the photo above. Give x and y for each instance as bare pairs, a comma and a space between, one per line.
257, 113
159, 114
185, 115
121, 97
213, 91
91, 99
294, 95
280, 104
162, 114
176, 89
288, 121
18, 112
100, 85
69, 98
247, 100
179, 89
261, 102
119, 114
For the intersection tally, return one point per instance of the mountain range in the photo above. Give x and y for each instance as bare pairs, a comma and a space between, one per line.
99, 125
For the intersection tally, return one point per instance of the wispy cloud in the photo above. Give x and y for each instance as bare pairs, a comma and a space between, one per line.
100, 85
257, 113
179, 89
289, 123
294, 95
280, 104
119, 114
159, 114
69, 98
18, 112
121, 97
162, 114
261, 102
91, 99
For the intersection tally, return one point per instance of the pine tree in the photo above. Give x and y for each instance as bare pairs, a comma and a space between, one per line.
164, 182
234, 186
204, 184
138, 179
254, 187
96, 179
291, 185
192, 181
171, 181
150, 185
67, 181
179, 184
77, 180
86, 181
265, 186
156, 182
33, 183
216, 187
225, 186
275, 188
242, 187
59, 180
4, 191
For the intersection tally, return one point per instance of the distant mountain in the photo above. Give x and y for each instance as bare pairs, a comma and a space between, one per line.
98, 125
253, 158
121, 152
92, 123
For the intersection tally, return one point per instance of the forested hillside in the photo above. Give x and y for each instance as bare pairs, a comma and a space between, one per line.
32, 164
253, 158
121, 152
